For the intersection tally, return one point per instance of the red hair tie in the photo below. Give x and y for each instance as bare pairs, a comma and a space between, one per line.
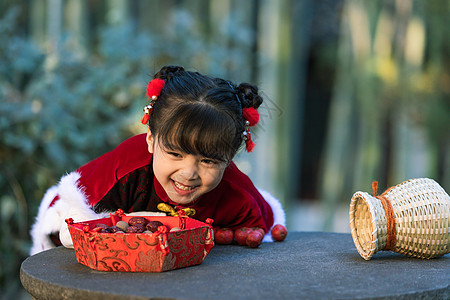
154, 89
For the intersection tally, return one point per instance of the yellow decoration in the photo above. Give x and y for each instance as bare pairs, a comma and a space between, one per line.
171, 211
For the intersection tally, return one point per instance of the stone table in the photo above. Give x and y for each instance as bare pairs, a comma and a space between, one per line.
307, 265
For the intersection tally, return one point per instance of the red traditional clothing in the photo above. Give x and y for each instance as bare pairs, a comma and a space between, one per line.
123, 178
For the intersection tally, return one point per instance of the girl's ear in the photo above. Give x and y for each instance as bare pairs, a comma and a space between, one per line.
150, 141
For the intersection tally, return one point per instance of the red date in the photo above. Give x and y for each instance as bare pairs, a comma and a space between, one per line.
137, 220
114, 229
135, 229
153, 225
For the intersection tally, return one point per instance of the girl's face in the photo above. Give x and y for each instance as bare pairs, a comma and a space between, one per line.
184, 177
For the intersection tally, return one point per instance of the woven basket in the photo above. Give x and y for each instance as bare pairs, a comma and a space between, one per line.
412, 218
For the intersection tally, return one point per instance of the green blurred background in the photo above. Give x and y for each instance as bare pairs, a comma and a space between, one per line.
355, 91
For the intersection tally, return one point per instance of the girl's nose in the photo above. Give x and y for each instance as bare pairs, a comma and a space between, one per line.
190, 170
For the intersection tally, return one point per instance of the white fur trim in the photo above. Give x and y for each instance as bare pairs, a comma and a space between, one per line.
72, 203
45, 223
279, 216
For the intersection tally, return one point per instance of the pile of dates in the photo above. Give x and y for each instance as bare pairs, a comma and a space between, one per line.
134, 225
246, 236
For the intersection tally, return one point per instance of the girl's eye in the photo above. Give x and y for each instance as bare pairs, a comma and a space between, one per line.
209, 161
174, 154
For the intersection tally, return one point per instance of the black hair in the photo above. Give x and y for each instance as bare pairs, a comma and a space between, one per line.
201, 115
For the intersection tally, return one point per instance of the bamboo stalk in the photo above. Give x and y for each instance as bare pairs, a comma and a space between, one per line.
338, 150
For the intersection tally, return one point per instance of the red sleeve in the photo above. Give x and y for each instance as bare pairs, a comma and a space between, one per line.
258, 210
239, 209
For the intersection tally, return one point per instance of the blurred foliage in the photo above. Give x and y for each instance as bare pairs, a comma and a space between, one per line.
60, 109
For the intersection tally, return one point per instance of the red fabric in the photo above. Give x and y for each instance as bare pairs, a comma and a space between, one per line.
234, 203
54, 201
157, 252
100, 175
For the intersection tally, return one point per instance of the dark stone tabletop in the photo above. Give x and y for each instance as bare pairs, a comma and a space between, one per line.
307, 265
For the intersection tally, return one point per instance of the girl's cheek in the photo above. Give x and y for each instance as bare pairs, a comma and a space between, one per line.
217, 177
212, 172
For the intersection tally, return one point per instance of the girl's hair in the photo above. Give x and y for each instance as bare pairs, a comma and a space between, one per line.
201, 115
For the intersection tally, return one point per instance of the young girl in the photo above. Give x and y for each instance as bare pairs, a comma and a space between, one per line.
196, 125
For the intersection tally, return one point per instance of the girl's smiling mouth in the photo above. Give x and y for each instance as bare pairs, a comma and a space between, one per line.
183, 189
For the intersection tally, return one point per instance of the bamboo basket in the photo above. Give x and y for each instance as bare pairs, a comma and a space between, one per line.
411, 218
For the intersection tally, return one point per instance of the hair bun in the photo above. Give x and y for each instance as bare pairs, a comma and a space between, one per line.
248, 93
167, 72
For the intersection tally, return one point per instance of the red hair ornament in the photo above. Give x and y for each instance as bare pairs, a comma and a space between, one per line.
251, 117
154, 89
249, 144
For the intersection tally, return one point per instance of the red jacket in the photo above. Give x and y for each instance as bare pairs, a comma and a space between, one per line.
123, 178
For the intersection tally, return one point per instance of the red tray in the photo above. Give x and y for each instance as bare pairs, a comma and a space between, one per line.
142, 252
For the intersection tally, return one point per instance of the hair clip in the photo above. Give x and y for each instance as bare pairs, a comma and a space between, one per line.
154, 89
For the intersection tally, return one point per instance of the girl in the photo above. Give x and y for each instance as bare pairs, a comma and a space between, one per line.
196, 125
